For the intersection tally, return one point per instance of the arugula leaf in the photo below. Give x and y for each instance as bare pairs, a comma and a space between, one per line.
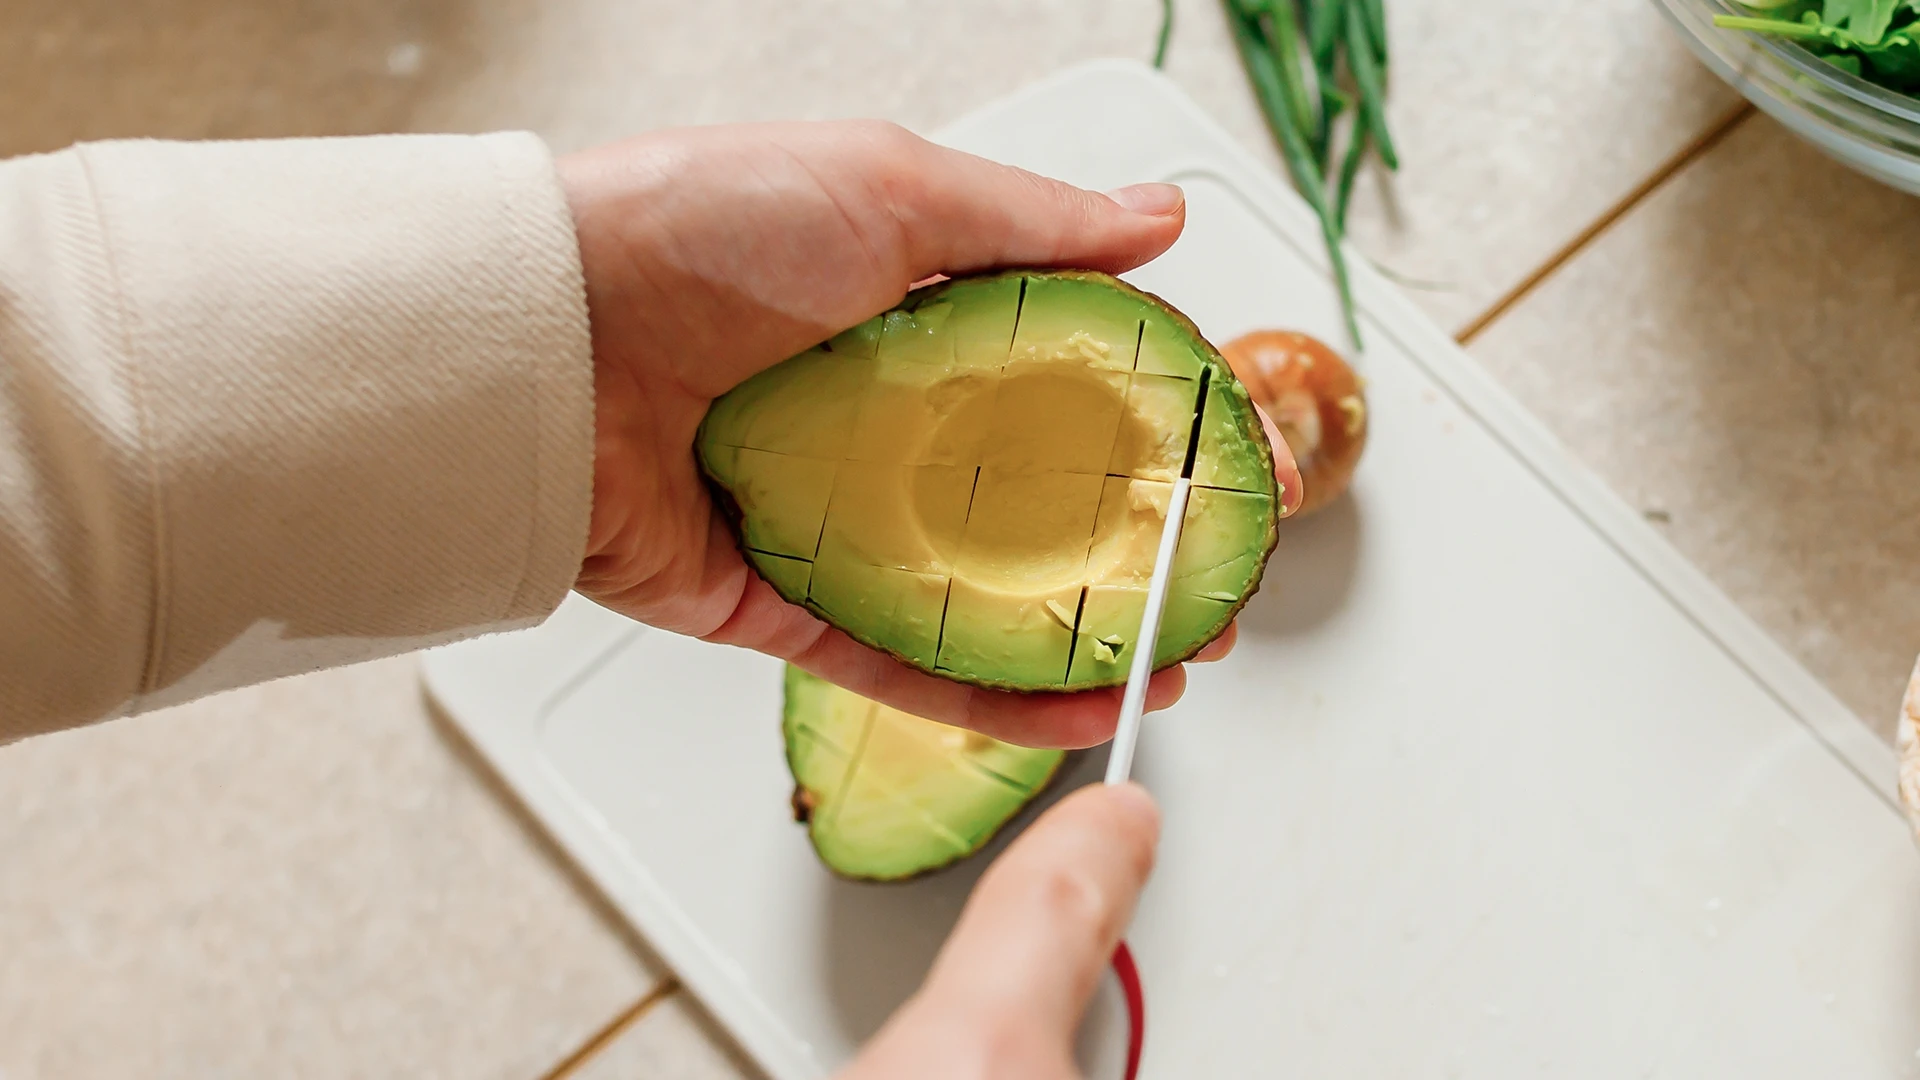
1871, 19
1846, 62
1894, 63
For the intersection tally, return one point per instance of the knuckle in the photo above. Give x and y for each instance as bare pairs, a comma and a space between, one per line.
894, 168
1073, 897
1010, 1049
1140, 855
1068, 211
888, 141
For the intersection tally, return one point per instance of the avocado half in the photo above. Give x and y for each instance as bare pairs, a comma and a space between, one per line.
887, 795
976, 480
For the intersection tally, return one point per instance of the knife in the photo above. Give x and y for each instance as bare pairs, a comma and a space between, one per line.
1133, 702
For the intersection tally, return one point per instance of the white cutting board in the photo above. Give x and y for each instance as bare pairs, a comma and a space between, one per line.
1495, 784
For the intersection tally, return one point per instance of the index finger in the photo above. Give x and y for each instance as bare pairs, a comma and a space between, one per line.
1286, 471
1069, 720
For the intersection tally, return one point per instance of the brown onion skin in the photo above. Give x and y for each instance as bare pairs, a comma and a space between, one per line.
1314, 398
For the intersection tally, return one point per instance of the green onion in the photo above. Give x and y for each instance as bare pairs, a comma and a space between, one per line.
1332, 104
1283, 32
1324, 19
1323, 34
1376, 13
1349, 170
1166, 33
1257, 54
1364, 62
1345, 44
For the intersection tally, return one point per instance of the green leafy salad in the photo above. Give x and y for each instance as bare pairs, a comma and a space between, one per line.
1877, 40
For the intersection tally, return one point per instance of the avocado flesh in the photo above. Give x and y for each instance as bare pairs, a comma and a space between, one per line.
783, 500
1218, 561
884, 604
979, 448
887, 795
1229, 457
1110, 623
750, 415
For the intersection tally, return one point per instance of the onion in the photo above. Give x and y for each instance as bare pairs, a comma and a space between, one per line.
1314, 398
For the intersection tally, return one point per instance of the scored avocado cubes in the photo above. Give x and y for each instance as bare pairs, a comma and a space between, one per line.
887, 795
976, 480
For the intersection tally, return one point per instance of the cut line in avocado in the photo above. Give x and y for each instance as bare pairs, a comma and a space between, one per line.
1000, 440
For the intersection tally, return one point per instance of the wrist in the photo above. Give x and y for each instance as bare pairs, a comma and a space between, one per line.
575, 185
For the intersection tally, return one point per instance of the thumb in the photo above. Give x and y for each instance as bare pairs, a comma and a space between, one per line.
963, 212
1042, 924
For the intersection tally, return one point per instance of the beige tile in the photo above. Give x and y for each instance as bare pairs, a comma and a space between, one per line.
1739, 354
675, 1041
1519, 121
304, 878
87, 69
578, 71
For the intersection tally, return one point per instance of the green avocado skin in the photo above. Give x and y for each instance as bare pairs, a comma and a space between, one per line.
1235, 456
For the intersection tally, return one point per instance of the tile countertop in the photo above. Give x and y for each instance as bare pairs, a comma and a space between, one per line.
310, 877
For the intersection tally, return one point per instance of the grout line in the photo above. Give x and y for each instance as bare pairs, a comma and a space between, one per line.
1706, 141
614, 1028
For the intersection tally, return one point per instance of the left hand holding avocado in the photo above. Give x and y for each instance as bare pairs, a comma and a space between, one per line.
712, 254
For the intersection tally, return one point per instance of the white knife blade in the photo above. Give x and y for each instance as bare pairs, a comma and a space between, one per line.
1133, 702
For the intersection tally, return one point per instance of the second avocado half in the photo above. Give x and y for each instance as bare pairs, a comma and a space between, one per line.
887, 795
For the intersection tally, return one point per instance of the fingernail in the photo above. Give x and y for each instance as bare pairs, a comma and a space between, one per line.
1153, 200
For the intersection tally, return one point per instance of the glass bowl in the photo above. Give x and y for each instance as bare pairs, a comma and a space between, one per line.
1871, 129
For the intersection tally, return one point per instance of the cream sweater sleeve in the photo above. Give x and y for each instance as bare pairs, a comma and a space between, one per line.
267, 407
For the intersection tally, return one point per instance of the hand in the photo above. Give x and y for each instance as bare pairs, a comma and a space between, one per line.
713, 253
1006, 995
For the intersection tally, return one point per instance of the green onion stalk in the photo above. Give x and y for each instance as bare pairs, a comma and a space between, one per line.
1310, 62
